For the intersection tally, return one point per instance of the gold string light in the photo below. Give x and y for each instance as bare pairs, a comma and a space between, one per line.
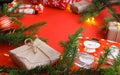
91, 21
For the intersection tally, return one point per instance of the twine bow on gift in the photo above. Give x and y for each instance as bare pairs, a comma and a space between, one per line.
30, 42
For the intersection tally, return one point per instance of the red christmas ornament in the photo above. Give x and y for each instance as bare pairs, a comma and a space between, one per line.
35, 2
5, 23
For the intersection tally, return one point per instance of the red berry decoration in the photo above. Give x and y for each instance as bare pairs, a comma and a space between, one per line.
35, 2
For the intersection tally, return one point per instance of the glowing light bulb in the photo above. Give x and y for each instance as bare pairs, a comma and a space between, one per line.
91, 20
14, 3
88, 20
68, 8
41, 7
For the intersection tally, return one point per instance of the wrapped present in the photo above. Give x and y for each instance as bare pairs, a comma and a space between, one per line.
34, 54
114, 31
31, 9
62, 4
79, 7
27, 8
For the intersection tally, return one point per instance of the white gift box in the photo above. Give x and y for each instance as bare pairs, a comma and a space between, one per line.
79, 7
34, 54
113, 31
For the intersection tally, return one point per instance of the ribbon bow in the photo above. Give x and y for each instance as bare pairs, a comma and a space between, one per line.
30, 42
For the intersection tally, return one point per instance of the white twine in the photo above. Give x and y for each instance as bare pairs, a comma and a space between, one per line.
30, 42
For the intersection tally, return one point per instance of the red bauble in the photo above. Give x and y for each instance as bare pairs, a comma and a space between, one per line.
5, 23
35, 2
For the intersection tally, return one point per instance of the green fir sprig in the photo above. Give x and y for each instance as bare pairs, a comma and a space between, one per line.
99, 5
103, 58
71, 48
17, 36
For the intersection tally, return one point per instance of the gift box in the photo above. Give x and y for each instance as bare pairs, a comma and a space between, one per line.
27, 8
33, 54
79, 7
114, 31
61, 4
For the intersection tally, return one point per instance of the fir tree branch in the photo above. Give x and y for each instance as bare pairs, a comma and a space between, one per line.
109, 71
34, 27
70, 49
5, 9
19, 15
103, 58
114, 13
16, 37
42, 69
31, 27
97, 6
14, 19
12, 71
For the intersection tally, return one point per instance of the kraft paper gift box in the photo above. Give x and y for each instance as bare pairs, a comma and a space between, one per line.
34, 54
114, 31
79, 7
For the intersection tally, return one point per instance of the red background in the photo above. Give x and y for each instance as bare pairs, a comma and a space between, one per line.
60, 24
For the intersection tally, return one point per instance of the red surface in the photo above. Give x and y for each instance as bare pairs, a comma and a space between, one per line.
60, 24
